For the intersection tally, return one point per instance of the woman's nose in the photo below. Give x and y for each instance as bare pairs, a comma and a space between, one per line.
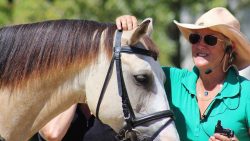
201, 45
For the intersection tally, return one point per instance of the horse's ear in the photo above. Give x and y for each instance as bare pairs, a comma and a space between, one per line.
150, 26
146, 27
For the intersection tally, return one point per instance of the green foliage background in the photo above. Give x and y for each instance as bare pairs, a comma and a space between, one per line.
163, 13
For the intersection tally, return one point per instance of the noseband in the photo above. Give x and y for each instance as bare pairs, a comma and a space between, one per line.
128, 133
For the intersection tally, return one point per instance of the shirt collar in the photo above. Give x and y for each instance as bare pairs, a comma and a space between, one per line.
189, 82
231, 86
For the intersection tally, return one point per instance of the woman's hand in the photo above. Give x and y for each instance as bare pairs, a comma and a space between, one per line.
126, 22
219, 137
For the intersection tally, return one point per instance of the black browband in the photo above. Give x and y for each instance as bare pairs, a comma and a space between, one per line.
127, 133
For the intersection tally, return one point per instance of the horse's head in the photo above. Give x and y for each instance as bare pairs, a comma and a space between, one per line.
143, 79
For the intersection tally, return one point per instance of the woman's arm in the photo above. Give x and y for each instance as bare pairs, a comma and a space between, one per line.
56, 129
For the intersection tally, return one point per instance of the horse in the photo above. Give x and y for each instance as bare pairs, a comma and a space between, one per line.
47, 66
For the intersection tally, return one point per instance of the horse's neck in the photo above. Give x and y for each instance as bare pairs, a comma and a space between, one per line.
25, 111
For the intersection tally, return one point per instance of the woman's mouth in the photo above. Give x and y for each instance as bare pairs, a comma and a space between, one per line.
202, 54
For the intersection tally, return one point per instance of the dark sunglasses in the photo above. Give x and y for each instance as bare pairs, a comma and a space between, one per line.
210, 40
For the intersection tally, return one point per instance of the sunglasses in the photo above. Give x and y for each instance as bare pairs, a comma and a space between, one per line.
210, 40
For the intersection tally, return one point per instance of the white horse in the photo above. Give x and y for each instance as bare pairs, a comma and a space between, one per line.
48, 66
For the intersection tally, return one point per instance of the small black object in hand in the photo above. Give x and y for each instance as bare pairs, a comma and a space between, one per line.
226, 132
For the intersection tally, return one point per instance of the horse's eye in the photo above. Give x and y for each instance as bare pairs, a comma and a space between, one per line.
141, 79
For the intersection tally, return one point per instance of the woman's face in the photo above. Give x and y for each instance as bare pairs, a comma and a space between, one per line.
207, 48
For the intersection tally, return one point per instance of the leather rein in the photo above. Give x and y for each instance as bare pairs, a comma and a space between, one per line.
128, 133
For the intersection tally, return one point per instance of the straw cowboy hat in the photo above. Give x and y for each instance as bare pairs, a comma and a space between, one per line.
221, 20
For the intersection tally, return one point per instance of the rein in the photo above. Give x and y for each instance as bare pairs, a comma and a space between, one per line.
128, 133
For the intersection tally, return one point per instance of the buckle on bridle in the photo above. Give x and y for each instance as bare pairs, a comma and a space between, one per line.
128, 135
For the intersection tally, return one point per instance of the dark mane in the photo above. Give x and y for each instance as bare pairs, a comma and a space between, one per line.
36, 47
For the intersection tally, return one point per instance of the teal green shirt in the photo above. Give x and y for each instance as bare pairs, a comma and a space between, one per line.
231, 105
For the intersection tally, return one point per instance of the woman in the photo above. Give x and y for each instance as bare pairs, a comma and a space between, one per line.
213, 92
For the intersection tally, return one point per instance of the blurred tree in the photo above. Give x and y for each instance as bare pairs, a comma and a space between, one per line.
19, 11
10, 1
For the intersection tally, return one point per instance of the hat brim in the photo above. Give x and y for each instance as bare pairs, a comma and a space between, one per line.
241, 44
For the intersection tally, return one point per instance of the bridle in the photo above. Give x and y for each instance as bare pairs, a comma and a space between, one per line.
128, 133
